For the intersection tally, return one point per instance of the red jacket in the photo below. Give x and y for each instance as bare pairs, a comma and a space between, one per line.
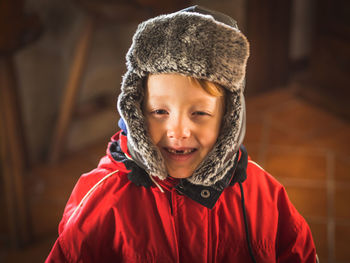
110, 219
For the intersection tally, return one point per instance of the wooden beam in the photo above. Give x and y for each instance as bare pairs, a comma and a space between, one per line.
12, 155
72, 89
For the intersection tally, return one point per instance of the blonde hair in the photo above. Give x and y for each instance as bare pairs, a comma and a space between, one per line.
211, 88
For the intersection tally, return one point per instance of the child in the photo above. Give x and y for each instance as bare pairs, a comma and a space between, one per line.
170, 188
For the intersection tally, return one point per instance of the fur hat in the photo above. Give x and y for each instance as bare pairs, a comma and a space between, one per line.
194, 42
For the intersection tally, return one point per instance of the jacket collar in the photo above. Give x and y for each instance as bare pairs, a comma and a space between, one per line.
208, 195
204, 195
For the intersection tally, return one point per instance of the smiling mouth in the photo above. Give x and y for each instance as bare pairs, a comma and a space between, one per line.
180, 152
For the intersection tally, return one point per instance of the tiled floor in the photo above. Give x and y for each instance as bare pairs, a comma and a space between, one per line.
305, 147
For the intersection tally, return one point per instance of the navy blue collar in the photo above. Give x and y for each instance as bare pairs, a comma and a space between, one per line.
208, 195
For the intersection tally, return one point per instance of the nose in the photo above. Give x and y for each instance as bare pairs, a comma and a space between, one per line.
178, 128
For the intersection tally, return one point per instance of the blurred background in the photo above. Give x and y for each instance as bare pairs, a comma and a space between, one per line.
61, 65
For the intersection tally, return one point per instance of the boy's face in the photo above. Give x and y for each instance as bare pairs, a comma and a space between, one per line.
183, 121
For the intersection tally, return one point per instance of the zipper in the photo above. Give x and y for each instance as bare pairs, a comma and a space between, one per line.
171, 203
209, 246
173, 221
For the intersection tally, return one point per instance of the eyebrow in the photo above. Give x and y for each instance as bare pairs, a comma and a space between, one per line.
197, 105
162, 97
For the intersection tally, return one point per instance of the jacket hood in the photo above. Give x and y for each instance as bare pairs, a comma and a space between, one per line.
194, 42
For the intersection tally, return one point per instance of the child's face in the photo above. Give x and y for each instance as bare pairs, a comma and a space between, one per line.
183, 121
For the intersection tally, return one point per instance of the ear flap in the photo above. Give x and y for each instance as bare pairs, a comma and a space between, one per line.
242, 130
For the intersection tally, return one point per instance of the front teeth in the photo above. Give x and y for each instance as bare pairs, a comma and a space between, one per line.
180, 152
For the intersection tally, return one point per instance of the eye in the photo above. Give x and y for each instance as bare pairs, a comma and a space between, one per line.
159, 112
200, 113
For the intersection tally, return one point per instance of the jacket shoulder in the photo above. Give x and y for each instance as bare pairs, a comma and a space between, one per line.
259, 178
94, 186
88, 215
293, 236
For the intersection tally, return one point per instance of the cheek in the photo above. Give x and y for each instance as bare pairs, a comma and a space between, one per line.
210, 134
207, 136
154, 130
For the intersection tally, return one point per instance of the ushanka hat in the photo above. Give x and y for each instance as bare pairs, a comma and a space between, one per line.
193, 42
